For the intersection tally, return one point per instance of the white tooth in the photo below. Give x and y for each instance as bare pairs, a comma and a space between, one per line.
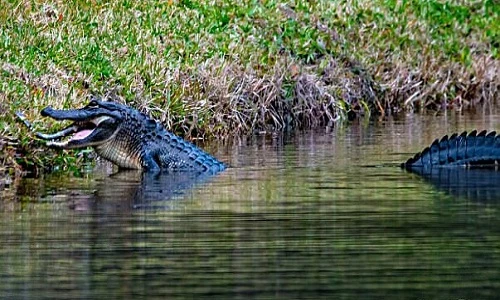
98, 120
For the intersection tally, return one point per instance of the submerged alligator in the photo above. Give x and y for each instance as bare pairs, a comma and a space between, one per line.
474, 150
127, 138
132, 140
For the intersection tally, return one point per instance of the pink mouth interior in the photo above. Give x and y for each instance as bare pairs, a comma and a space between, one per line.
80, 135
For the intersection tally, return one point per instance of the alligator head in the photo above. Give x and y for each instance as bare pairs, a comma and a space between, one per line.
127, 138
93, 125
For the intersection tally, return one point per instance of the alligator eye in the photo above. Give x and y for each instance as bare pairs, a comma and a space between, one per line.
93, 104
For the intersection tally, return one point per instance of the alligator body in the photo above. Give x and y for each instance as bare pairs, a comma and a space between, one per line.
127, 138
477, 150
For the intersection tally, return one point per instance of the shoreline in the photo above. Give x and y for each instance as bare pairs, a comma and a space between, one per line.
215, 71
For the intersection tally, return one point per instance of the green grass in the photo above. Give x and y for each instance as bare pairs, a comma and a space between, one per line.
220, 68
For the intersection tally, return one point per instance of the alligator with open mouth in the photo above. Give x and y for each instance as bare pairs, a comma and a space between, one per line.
127, 138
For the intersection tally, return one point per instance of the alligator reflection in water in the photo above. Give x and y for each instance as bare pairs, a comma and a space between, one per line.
135, 189
474, 184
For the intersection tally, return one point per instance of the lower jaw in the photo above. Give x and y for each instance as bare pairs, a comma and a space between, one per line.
58, 144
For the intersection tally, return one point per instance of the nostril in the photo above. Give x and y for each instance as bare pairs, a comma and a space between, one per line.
46, 111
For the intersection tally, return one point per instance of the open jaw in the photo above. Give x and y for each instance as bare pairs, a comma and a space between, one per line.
82, 133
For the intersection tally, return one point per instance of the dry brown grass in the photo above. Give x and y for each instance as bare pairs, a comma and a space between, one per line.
436, 86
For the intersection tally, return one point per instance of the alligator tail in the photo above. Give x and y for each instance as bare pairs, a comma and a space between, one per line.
473, 149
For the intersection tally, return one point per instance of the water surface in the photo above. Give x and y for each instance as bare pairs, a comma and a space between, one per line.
318, 214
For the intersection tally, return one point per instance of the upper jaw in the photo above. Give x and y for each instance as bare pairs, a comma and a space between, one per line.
79, 115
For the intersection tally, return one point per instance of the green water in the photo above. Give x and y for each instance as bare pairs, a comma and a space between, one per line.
323, 214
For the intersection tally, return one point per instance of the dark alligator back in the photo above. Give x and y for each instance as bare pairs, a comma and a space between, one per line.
174, 152
473, 149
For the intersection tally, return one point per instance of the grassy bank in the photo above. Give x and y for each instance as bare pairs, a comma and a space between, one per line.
219, 68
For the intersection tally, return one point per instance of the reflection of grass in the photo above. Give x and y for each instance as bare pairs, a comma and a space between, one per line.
230, 68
